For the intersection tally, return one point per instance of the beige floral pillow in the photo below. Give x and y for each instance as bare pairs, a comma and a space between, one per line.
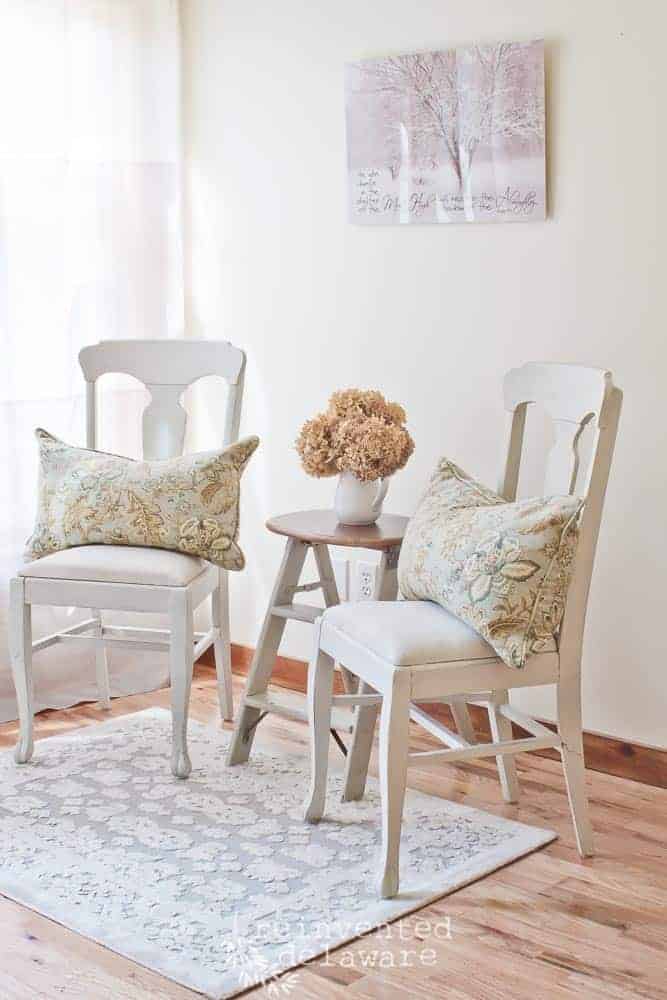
188, 504
504, 568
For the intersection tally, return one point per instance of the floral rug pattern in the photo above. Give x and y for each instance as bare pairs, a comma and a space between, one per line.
216, 882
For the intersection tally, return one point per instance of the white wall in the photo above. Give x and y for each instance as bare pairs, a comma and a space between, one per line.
434, 315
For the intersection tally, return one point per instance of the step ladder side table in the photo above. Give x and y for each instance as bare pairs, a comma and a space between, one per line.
316, 530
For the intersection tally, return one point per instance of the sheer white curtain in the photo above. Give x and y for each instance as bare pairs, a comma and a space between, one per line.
90, 248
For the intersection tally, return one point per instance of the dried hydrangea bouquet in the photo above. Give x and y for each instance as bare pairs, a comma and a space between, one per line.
363, 439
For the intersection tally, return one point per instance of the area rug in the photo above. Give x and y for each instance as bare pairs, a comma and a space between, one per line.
216, 882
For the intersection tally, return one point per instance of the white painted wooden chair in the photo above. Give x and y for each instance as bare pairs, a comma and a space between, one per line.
408, 652
130, 578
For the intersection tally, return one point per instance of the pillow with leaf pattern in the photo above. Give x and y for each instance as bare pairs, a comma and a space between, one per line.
187, 504
503, 568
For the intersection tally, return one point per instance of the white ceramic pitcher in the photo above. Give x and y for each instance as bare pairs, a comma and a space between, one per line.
357, 502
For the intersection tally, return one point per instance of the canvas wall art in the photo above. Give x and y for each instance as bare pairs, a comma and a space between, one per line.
449, 136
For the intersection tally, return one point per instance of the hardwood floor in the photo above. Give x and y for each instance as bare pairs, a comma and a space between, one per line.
548, 925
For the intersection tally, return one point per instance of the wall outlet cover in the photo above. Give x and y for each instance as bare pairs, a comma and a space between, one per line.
365, 581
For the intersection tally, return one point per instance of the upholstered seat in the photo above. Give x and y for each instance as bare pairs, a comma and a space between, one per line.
118, 564
408, 633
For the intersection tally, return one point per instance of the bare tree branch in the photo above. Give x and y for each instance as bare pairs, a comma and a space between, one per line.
454, 103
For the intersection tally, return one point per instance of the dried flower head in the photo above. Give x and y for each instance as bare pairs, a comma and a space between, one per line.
364, 403
360, 433
316, 446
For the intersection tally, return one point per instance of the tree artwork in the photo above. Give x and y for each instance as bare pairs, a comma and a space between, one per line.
449, 136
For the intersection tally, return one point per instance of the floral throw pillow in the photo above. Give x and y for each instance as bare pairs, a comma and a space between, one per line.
503, 568
188, 504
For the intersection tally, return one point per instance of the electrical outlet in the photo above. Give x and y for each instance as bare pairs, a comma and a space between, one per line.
365, 581
341, 571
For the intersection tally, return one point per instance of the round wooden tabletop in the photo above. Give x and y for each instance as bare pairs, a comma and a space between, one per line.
323, 526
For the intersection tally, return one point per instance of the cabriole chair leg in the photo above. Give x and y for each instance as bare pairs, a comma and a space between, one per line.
320, 693
394, 729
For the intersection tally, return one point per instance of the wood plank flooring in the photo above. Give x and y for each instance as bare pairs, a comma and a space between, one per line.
548, 925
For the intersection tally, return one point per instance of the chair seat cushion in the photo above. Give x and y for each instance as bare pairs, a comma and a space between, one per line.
409, 633
118, 564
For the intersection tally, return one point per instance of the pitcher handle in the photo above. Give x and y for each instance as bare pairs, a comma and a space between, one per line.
381, 494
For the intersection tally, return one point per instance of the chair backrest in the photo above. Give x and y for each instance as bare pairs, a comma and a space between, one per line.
574, 397
166, 368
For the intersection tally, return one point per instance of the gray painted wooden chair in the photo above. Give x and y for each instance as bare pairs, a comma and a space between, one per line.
127, 578
461, 666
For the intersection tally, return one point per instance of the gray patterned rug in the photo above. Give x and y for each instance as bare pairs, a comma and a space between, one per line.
216, 882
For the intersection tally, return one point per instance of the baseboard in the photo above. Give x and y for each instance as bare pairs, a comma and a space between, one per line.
603, 753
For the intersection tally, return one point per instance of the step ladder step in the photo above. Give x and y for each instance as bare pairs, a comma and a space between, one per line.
297, 612
294, 707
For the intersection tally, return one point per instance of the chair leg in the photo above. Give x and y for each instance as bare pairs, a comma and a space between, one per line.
394, 728
101, 665
501, 729
20, 640
180, 668
320, 693
572, 753
222, 645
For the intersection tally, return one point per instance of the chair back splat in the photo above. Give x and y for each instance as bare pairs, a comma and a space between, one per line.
574, 397
166, 368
